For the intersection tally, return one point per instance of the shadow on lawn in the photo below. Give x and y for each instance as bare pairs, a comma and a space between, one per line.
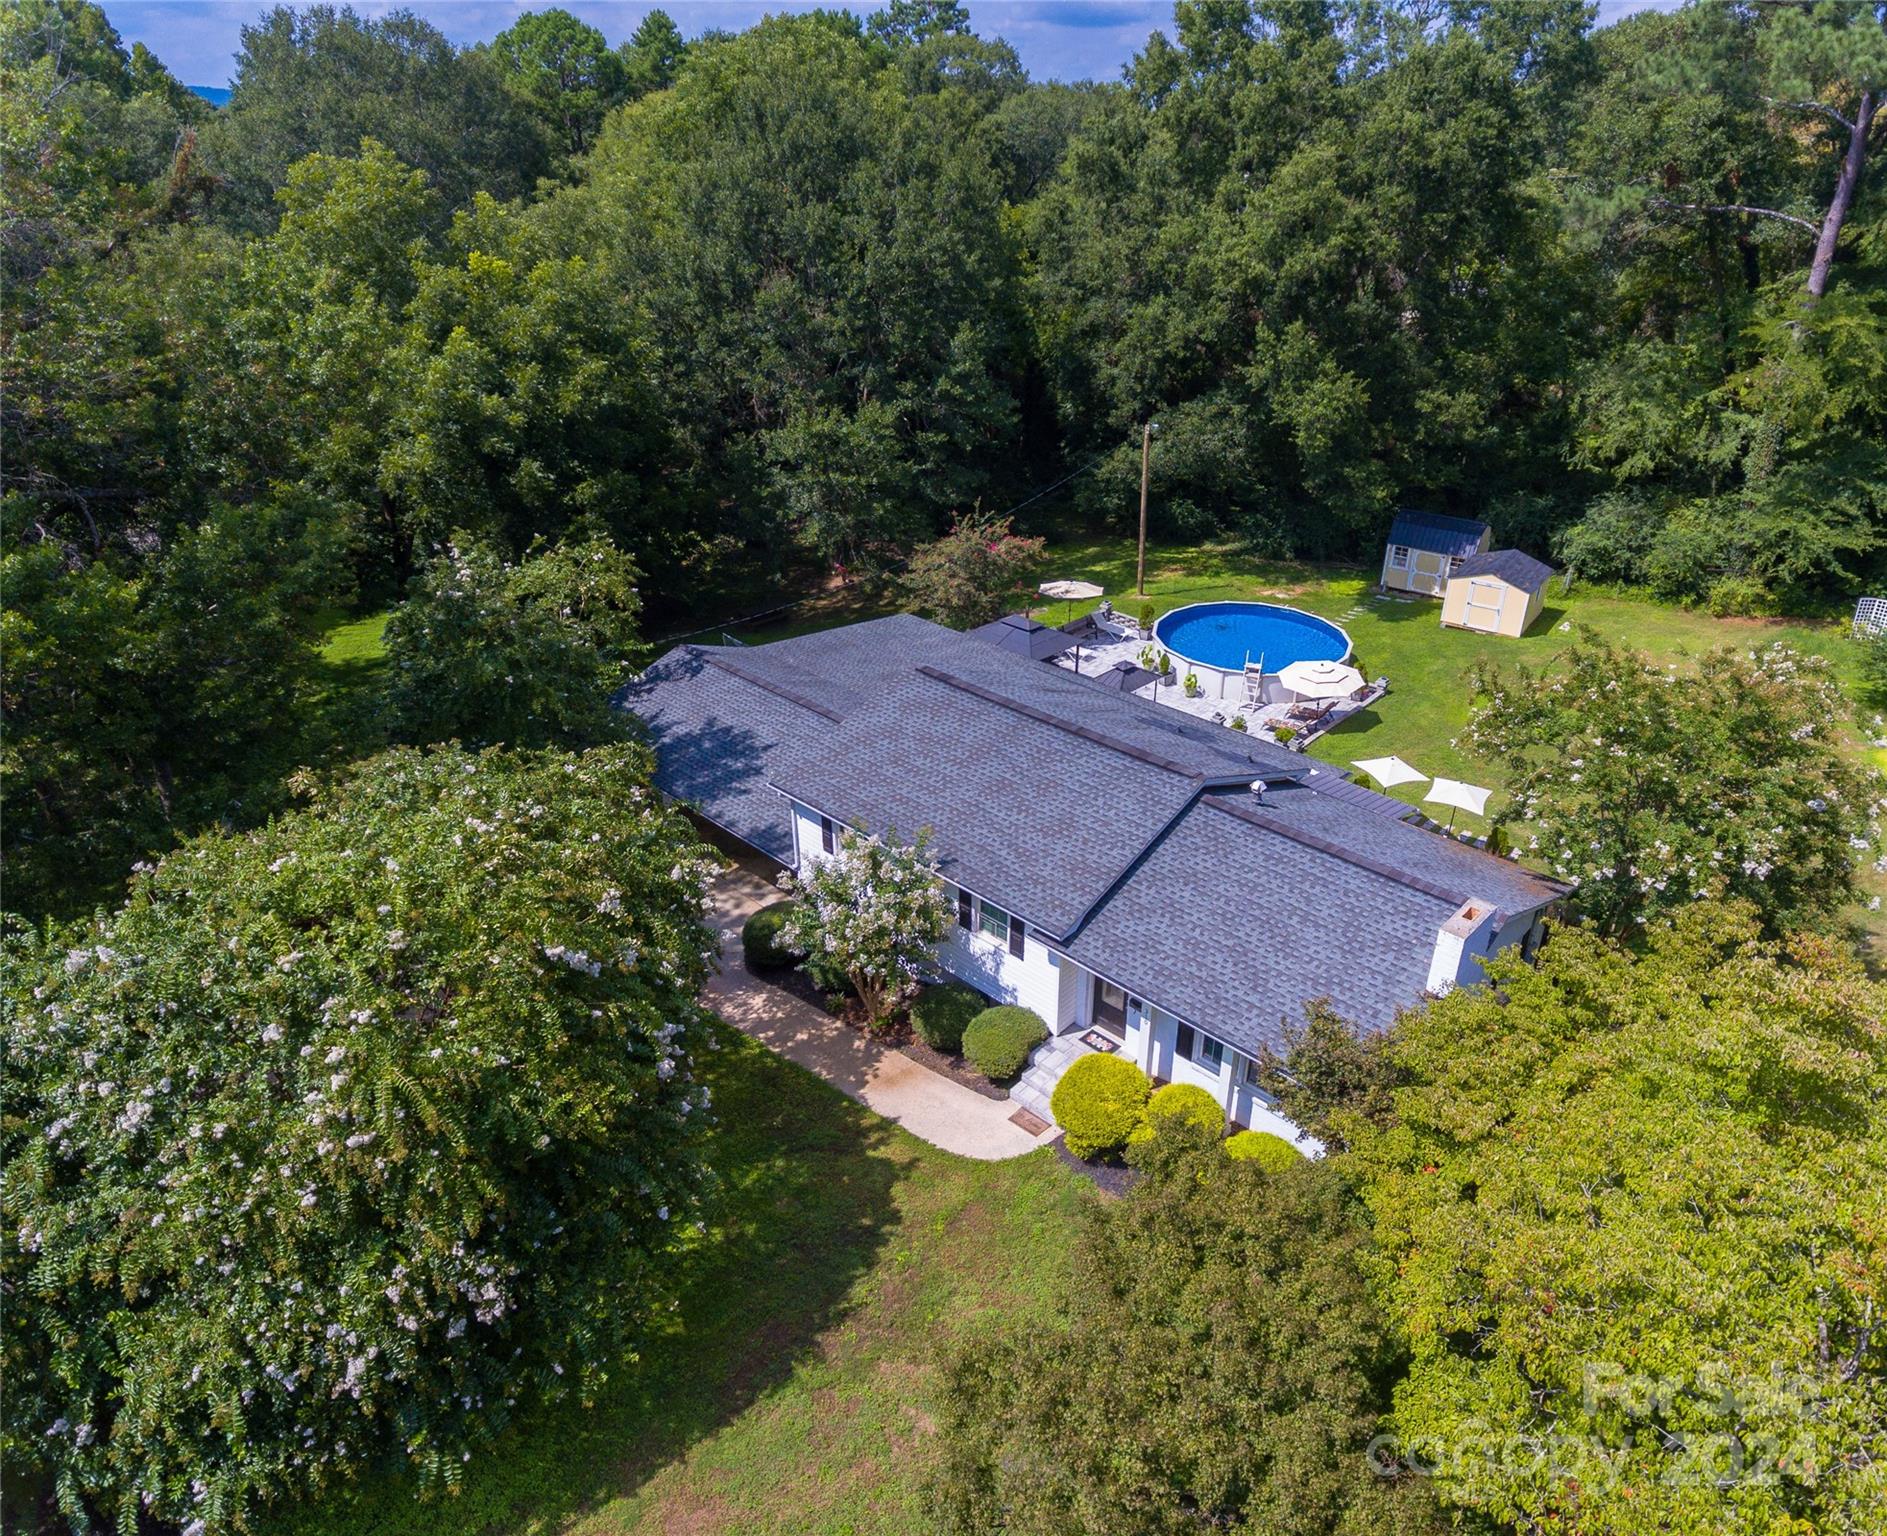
804, 1205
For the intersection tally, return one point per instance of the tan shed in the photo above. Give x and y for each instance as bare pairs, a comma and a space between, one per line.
1497, 593
1425, 547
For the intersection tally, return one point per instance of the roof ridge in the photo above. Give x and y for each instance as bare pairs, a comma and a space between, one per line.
1349, 856
825, 711
1088, 733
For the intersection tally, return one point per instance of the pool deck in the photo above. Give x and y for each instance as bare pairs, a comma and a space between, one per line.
1221, 696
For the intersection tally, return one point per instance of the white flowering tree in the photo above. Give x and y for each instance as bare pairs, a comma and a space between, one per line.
1655, 785
340, 1141
527, 654
871, 913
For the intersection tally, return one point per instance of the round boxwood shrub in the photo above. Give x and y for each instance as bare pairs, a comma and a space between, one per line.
939, 1015
998, 1040
1185, 1101
1271, 1153
763, 939
1098, 1102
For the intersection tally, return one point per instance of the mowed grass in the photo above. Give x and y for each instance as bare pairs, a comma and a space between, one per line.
794, 1386
1428, 667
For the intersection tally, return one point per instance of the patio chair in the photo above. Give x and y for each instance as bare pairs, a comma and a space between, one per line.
1088, 628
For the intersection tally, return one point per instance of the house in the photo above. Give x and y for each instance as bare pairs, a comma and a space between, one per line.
1120, 867
1425, 547
1500, 592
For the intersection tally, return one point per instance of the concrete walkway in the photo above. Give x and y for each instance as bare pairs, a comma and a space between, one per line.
925, 1103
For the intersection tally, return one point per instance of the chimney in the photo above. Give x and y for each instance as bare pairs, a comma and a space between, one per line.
1460, 944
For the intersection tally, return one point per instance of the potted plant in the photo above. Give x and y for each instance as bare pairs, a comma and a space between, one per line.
1146, 621
1162, 663
1238, 722
1192, 685
1146, 658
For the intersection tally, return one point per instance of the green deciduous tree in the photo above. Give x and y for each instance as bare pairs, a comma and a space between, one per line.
1633, 1230
528, 653
319, 80
1654, 788
342, 1141
869, 916
1218, 1364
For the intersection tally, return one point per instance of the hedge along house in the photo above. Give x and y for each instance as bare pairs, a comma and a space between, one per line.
1180, 889
1500, 592
1425, 548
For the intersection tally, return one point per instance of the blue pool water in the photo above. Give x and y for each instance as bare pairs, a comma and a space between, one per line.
1226, 635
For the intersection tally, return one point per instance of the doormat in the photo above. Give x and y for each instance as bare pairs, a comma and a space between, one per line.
1030, 1121
1097, 1041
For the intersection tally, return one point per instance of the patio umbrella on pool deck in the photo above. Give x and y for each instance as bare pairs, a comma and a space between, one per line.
1023, 636
1125, 677
1071, 592
1389, 771
1459, 797
1320, 679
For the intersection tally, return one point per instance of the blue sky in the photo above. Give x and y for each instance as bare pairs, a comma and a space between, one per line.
1057, 39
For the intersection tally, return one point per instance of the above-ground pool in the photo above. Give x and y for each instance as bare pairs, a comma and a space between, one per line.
1226, 636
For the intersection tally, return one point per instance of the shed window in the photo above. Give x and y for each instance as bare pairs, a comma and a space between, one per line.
1398, 557
828, 835
994, 922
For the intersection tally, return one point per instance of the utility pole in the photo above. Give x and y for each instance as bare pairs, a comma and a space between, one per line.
1146, 459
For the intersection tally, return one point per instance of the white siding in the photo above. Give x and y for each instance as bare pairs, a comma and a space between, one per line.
1035, 981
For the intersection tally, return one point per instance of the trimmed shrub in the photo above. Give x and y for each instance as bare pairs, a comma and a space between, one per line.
763, 938
1185, 1101
1271, 1153
939, 1015
998, 1040
1098, 1102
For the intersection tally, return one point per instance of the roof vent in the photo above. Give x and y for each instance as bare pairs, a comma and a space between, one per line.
1258, 789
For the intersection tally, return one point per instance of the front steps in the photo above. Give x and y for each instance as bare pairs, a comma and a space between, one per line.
1051, 1058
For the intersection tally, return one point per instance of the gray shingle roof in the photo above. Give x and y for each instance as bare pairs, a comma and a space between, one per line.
1437, 531
1235, 928
1091, 814
720, 740
1511, 566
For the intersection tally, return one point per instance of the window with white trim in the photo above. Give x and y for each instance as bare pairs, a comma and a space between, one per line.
1196, 1046
992, 922
1398, 557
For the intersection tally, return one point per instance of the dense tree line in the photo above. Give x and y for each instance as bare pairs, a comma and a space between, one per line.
753, 305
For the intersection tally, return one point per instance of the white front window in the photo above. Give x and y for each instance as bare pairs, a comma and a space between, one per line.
1398, 557
992, 922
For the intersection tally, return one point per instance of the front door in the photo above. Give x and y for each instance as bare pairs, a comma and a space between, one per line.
1110, 1009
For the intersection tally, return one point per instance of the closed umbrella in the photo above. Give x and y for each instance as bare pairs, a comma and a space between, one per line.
1459, 797
1320, 679
1389, 771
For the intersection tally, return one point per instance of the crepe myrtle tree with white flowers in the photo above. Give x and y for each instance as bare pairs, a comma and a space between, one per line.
1655, 785
871, 914
341, 1141
525, 653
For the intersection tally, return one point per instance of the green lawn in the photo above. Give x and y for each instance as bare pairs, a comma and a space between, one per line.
793, 1388
1427, 666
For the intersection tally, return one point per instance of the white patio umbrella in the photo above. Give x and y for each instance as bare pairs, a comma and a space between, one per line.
1459, 797
1320, 679
1071, 592
1389, 771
